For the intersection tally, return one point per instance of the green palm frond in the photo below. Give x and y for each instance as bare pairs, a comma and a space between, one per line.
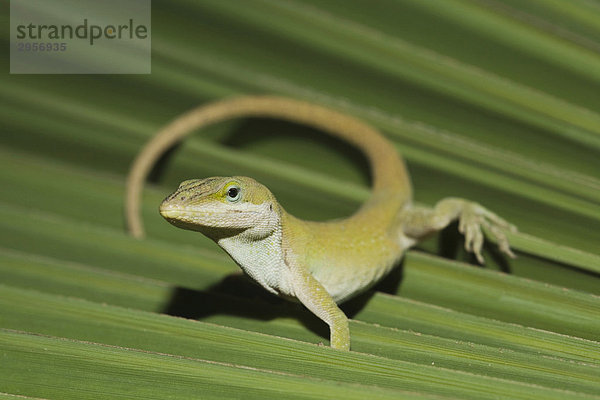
497, 101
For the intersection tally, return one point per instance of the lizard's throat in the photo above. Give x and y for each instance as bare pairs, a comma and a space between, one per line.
261, 259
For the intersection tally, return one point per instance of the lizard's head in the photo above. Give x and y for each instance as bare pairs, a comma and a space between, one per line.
222, 206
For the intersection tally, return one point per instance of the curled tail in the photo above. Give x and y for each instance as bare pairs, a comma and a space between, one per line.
388, 171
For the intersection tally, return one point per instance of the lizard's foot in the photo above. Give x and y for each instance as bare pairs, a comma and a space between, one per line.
472, 218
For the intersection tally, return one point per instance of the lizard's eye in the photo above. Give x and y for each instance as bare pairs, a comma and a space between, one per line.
234, 193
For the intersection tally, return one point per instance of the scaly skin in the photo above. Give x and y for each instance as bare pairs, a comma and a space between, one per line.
318, 263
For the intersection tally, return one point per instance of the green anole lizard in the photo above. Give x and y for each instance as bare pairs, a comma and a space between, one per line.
318, 263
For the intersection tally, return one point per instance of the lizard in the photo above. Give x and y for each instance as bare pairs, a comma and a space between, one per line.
320, 264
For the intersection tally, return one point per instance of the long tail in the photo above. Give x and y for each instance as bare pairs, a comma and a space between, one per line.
388, 171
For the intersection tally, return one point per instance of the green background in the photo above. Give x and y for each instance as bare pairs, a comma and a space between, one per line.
491, 100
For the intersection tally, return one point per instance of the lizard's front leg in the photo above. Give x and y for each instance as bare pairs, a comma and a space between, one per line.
316, 298
418, 222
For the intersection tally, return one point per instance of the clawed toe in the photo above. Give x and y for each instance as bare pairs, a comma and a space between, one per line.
471, 223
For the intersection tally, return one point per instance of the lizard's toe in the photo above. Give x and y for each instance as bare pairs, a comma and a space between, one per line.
471, 222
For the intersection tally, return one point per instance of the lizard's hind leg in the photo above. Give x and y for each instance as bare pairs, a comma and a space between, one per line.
419, 222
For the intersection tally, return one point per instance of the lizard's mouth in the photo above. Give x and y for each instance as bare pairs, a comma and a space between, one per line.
172, 212
204, 219
199, 221
177, 213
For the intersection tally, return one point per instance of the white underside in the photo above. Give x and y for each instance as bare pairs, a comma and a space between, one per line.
262, 260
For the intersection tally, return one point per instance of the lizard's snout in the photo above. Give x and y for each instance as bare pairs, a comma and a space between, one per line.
169, 210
